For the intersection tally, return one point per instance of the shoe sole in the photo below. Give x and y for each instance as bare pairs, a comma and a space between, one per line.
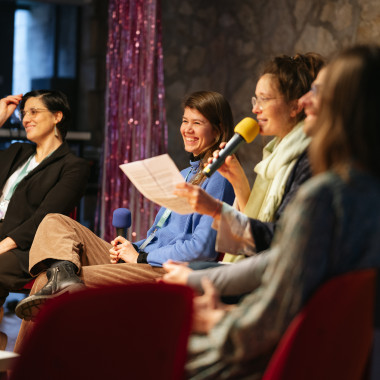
29, 308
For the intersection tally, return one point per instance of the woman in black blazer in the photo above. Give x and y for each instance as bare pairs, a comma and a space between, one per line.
35, 179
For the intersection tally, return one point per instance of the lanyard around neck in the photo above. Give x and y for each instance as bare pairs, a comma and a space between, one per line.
160, 223
20, 176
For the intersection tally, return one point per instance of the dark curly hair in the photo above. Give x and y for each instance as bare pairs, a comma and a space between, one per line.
294, 75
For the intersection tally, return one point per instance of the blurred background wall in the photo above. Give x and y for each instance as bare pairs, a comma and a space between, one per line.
222, 44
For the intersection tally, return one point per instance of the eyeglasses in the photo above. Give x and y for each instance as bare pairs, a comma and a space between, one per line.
33, 112
260, 101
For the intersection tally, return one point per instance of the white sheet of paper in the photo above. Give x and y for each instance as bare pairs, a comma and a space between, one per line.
156, 178
7, 360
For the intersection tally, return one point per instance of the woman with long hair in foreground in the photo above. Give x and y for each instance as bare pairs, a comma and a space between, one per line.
331, 228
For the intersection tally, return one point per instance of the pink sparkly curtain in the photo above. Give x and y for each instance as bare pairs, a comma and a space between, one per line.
136, 125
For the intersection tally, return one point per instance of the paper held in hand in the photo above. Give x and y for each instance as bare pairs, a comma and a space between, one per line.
156, 178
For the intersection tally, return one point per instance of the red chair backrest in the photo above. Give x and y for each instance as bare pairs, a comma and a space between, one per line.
129, 332
331, 337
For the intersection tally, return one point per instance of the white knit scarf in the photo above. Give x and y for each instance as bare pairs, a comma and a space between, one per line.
279, 158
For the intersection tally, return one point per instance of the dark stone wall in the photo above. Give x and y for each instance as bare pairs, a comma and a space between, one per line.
221, 45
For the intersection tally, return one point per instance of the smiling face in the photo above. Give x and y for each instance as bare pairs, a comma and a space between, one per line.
39, 126
311, 102
197, 132
275, 116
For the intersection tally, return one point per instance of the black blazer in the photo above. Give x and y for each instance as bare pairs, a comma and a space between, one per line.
54, 186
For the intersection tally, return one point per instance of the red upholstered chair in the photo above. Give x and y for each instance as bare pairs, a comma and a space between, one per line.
129, 332
331, 337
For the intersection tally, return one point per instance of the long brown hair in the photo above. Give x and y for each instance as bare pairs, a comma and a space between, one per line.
216, 109
349, 118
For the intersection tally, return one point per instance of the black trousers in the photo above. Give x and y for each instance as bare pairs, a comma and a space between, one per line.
13, 273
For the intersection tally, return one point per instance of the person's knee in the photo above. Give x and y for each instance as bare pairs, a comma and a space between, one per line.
54, 217
51, 220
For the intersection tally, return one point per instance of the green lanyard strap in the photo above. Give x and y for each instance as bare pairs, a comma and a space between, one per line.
19, 178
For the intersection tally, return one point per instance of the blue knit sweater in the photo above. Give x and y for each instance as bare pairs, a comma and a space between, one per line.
188, 237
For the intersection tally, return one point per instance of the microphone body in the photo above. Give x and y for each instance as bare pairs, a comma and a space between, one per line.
245, 131
121, 232
121, 220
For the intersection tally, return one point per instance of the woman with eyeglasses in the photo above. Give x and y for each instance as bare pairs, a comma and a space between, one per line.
284, 167
332, 227
36, 178
65, 255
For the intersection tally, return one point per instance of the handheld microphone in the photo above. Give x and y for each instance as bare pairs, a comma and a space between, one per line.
245, 131
121, 220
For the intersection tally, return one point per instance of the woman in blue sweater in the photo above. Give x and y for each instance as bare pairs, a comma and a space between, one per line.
72, 255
